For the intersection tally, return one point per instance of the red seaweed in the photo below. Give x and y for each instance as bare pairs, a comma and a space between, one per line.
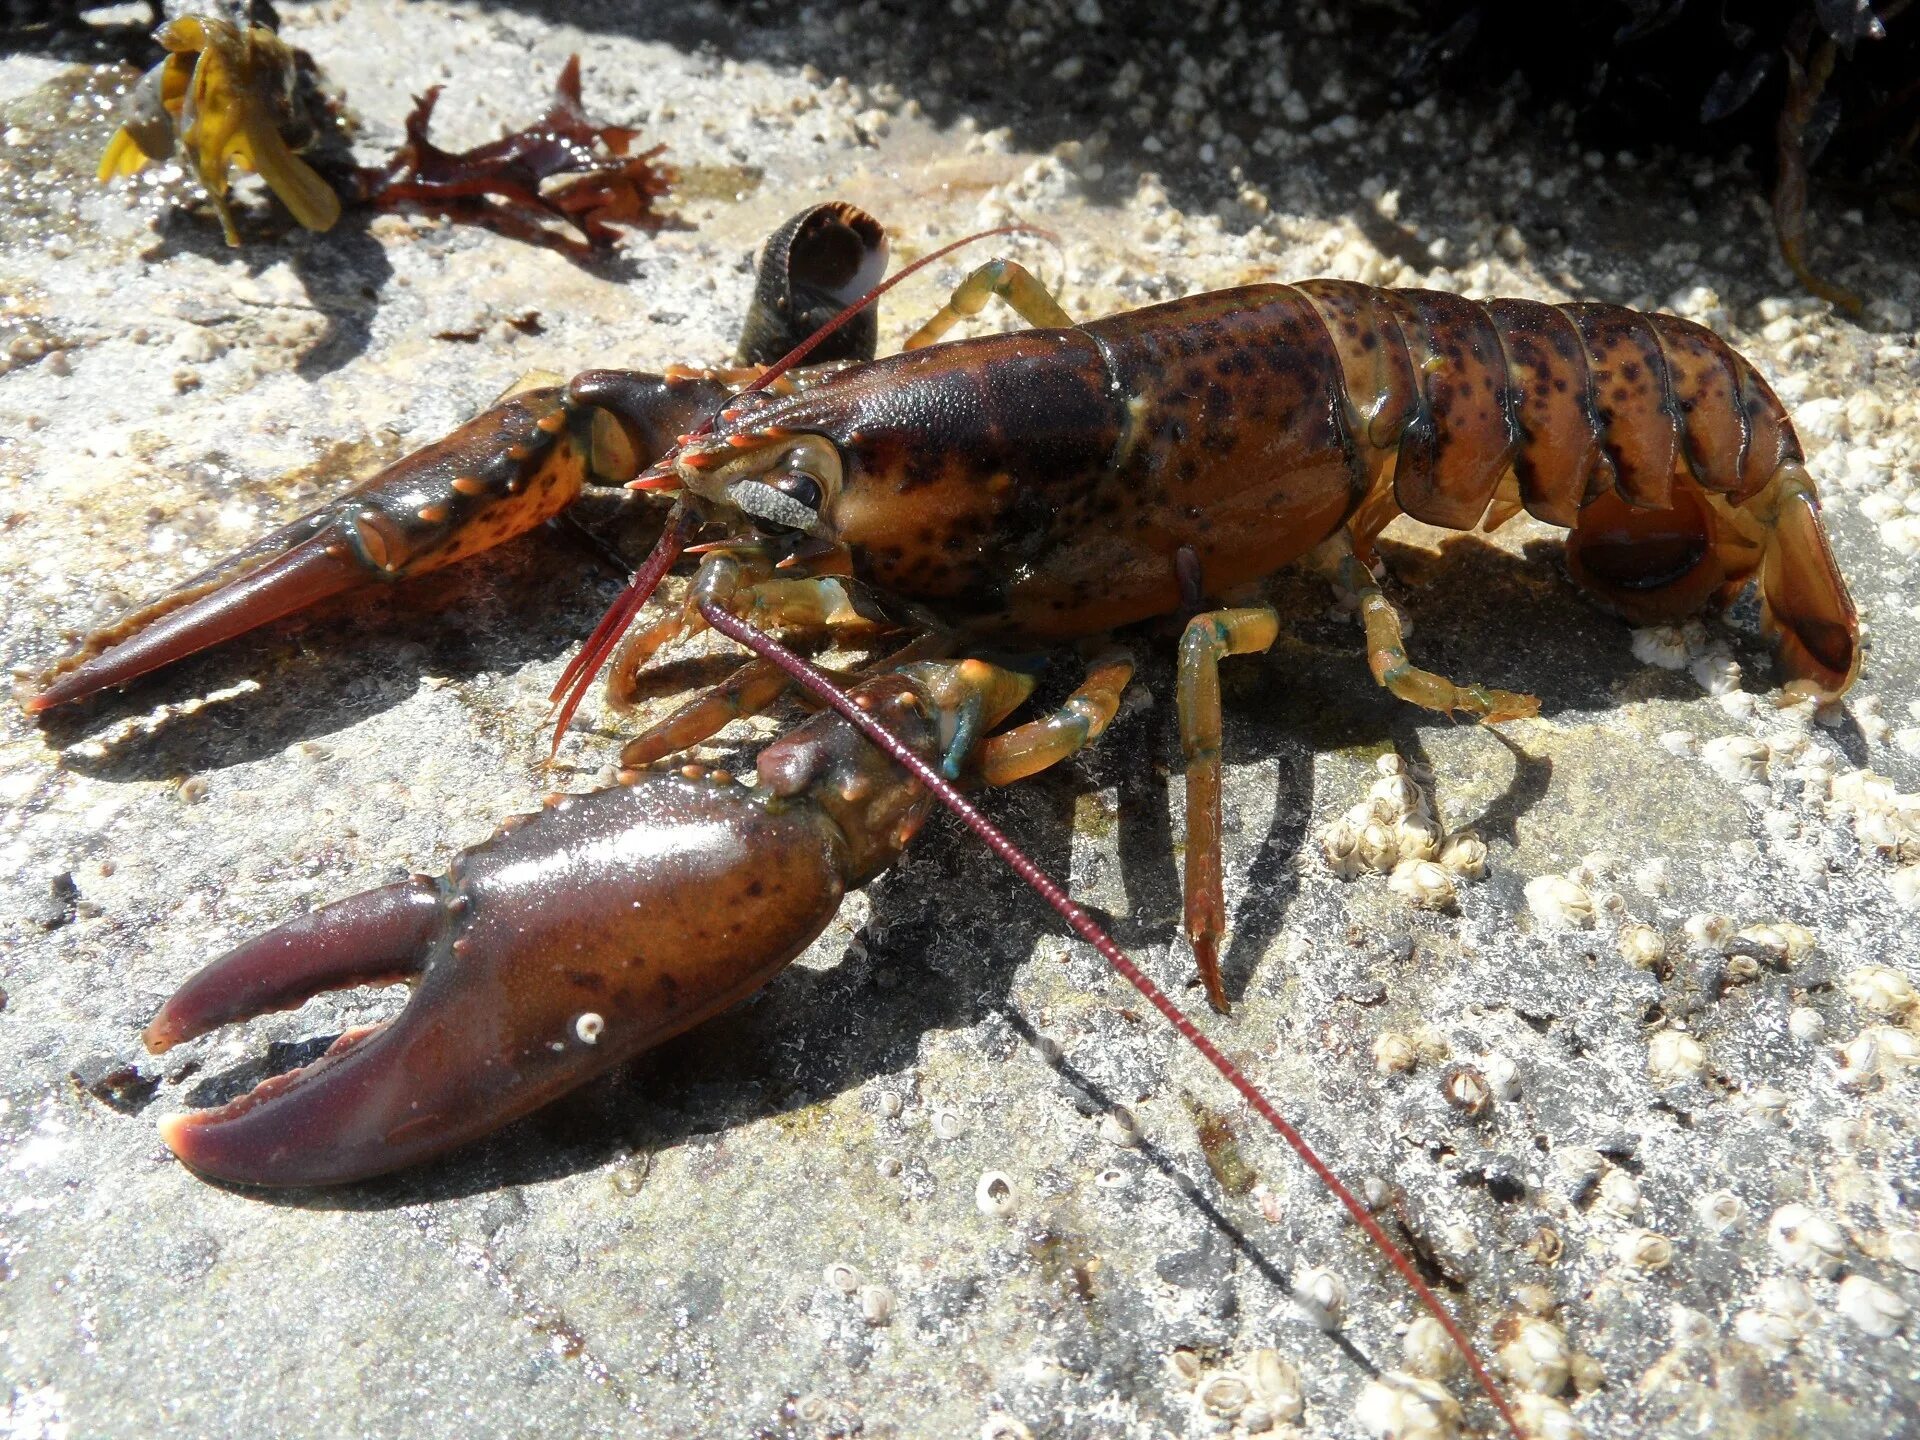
564, 167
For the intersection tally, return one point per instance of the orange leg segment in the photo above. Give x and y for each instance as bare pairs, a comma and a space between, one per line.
1210, 638
1030, 748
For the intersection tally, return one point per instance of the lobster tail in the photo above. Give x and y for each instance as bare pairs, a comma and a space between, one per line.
1804, 602
1664, 452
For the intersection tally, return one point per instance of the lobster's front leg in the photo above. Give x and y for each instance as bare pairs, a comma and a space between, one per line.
498, 476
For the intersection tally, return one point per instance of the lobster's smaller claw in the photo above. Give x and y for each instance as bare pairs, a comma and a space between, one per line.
205, 612
500, 474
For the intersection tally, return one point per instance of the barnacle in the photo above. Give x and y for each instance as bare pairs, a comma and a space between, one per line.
1534, 1353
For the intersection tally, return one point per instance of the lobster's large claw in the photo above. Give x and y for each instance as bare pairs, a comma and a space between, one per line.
568, 943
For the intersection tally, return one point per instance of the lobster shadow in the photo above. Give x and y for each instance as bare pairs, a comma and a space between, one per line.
337, 665
1479, 612
342, 274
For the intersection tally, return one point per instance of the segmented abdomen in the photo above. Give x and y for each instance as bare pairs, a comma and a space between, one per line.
1574, 400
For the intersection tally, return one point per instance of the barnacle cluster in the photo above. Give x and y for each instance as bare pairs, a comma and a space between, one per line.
1394, 832
1887, 821
1264, 1392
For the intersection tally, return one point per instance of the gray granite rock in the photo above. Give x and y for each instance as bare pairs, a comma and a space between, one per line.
661, 1254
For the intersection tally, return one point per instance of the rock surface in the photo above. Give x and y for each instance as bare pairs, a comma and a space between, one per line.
771, 1226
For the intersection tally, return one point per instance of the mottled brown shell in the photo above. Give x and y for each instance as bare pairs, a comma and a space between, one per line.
1575, 401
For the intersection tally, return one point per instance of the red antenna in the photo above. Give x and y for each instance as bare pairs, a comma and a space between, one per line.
578, 676
823, 687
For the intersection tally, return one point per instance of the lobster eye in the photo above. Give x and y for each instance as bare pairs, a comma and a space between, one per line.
790, 489
801, 488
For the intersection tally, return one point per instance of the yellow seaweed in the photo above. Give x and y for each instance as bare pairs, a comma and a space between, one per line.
217, 98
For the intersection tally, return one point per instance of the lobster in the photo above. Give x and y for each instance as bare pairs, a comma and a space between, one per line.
1012, 492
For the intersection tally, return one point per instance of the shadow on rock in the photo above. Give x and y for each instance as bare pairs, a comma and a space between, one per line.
342, 272
328, 670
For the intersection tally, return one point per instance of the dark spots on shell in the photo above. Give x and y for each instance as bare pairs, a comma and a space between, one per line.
755, 889
591, 981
